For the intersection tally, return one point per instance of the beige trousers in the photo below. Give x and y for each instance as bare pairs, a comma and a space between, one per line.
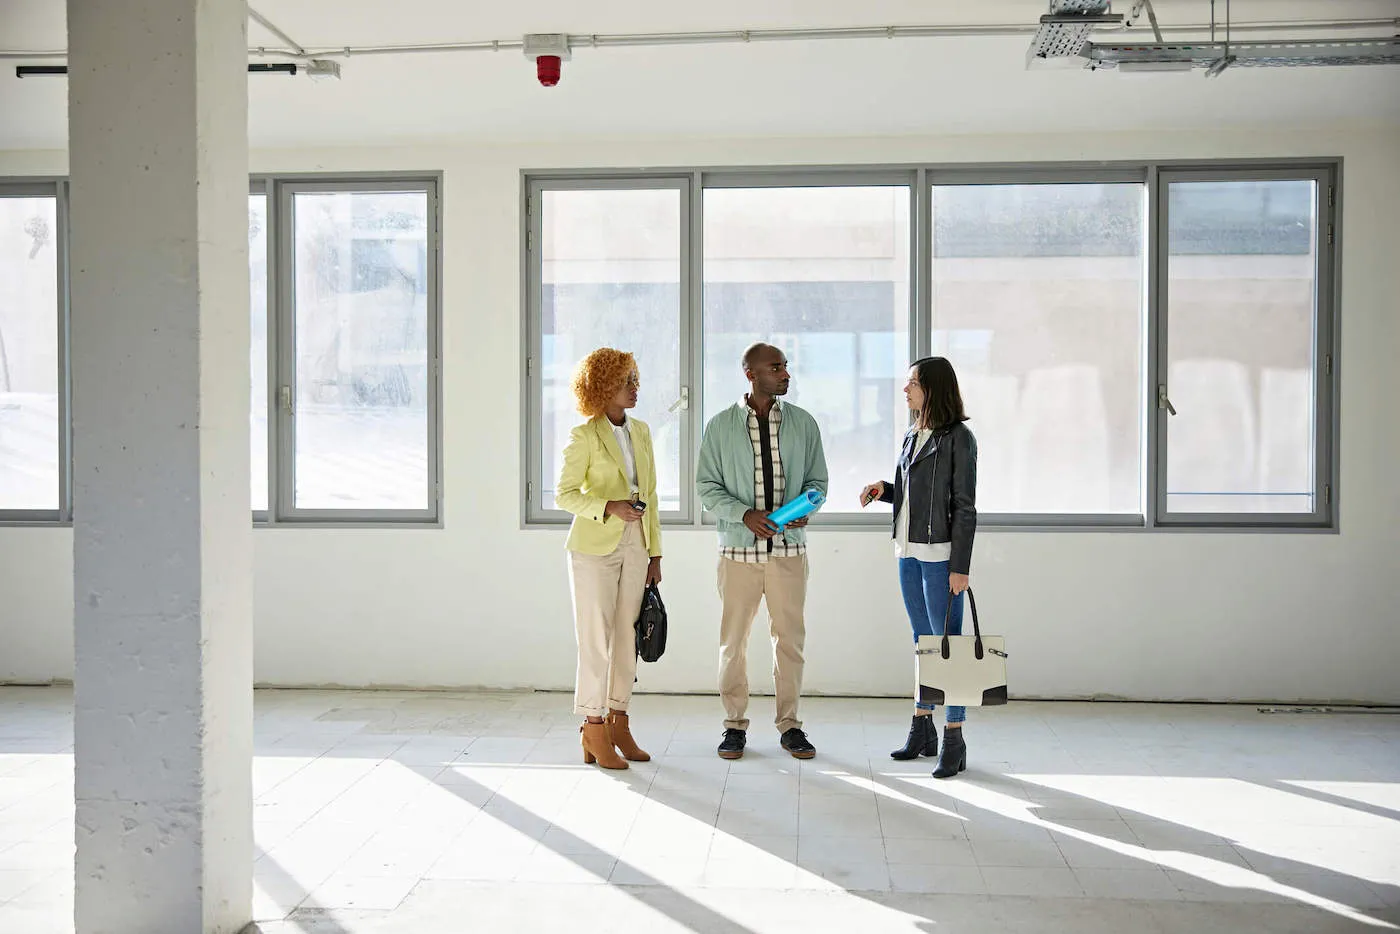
782, 584
607, 598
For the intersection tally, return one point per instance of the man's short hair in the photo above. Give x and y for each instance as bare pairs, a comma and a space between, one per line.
747, 360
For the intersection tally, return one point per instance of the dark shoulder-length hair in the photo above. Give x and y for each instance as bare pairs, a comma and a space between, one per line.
943, 404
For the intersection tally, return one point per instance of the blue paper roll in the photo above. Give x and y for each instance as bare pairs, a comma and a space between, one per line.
796, 509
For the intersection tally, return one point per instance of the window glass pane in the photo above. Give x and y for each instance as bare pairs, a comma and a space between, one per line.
1241, 313
257, 291
822, 273
29, 470
1038, 302
610, 277
362, 367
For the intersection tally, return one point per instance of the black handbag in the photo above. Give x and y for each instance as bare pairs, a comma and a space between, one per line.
651, 626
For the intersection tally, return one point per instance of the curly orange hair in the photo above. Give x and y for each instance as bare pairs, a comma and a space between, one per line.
598, 378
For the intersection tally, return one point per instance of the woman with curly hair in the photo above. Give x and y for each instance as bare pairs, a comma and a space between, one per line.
608, 482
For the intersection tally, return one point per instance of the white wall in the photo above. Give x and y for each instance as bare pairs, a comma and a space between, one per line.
1126, 614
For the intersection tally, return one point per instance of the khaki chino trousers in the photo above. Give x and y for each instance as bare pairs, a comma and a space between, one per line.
607, 598
782, 584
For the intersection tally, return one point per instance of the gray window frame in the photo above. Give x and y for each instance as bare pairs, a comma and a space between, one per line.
57, 188
972, 176
1153, 175
532, 395
849, 177
281, 316
266, 187
278, 189
1326, 176
281, 358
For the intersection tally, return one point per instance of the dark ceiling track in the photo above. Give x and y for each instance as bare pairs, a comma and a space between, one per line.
37, 71
42, 71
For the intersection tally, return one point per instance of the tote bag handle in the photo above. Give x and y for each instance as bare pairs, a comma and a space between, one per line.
976, 626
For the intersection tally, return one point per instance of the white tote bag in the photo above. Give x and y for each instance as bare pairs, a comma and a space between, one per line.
962, 671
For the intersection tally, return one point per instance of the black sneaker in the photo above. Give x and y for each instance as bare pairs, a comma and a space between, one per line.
795, 742
733, 745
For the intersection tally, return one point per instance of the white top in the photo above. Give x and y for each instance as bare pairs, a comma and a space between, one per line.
623, 433
903, 548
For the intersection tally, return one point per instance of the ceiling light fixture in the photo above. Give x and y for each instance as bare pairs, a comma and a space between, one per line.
316, 69
40, 71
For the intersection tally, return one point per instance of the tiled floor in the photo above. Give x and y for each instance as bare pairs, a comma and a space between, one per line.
380, 812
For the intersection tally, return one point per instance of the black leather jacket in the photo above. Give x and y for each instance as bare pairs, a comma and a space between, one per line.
942, 491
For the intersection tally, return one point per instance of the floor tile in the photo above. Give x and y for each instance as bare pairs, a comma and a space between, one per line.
1043, 883
1148, 884
389, 812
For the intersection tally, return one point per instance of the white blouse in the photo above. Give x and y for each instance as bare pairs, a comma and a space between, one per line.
623, 433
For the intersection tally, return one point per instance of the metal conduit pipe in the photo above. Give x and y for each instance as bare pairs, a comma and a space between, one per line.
635, 40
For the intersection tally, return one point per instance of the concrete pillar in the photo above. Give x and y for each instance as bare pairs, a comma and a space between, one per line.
158, 151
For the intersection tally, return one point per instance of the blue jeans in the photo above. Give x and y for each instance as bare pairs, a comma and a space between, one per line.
926, 595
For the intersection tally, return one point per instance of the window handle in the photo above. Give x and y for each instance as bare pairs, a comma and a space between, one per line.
286, 396
1162, 401
683, 403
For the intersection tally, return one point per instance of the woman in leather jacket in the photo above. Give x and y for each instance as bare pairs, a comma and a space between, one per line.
934, 495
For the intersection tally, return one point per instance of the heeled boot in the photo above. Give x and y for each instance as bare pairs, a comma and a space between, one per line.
621, 735
953, 758
598, 747
922, 741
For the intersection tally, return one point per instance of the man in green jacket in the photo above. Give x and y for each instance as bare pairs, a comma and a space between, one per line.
757, 455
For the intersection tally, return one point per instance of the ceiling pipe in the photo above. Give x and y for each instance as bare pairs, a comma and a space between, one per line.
636, 40
271, 27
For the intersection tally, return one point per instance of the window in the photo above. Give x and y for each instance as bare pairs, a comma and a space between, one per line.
257, 294
359, 351
609, 274
824, 274
1246, 353
31, 473
1081, 306
1038, 300
345, 382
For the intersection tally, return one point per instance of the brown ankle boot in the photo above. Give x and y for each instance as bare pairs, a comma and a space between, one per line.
597, 747
621, 735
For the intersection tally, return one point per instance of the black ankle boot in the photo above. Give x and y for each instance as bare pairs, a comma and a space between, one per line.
953, 759
922, 741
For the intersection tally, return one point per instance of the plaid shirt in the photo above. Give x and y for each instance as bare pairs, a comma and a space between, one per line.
759, 553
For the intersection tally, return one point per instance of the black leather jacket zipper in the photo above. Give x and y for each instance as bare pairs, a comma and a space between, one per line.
929, 534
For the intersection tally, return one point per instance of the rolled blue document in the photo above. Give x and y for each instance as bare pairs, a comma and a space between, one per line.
802, 506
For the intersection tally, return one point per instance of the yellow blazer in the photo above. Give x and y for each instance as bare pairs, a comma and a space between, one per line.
593, 474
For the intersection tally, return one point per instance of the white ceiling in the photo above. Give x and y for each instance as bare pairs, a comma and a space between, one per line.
840, 87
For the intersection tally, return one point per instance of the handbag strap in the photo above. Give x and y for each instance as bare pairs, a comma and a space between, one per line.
976, 626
